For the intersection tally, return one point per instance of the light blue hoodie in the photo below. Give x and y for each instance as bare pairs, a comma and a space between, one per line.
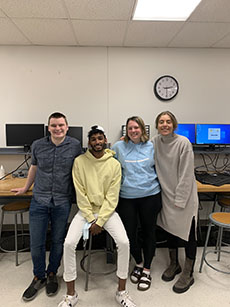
139, 177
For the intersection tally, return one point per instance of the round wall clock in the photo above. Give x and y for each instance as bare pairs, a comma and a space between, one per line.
166, 88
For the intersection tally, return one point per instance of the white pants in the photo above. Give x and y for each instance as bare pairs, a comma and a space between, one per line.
117, 231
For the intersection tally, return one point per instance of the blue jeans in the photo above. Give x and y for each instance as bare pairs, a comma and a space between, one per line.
40, 216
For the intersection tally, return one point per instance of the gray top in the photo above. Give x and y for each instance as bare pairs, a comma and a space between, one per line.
174, 161
53, 178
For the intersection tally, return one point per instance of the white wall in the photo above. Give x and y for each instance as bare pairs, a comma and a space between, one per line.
203, 82
106, 85
38, 81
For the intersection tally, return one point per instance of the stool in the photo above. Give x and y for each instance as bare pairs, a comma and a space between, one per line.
15, 208
221, 220
110, 254
224, 201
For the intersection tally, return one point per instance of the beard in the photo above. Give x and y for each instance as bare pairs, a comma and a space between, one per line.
98, 148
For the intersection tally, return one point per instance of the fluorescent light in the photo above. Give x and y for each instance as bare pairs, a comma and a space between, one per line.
164, 9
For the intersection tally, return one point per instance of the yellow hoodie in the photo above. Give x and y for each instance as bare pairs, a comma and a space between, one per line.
97, 185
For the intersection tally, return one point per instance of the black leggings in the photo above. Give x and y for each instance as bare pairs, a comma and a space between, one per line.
190, 245
141, 211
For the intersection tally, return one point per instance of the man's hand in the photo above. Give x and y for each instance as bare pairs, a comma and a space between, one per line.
95, 229
19, 191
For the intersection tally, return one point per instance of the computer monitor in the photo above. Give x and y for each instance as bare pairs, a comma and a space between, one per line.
23, 134
187, 130
123, 130
213, 134
74, 131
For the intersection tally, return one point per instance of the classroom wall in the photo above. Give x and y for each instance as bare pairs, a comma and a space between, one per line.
106, 85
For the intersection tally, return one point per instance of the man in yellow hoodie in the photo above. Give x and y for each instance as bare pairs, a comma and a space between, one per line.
96, 177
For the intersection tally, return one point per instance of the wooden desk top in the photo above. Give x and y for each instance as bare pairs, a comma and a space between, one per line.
10, 183
207, 188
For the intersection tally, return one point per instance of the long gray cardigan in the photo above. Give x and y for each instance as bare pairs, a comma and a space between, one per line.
174, 161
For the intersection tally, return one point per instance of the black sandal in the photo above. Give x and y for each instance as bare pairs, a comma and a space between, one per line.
144, 280
136, 274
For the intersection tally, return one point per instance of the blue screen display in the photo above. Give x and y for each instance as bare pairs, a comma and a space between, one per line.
187, 130
212, 134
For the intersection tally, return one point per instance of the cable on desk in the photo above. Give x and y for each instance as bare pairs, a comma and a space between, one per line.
25, 161
212, 164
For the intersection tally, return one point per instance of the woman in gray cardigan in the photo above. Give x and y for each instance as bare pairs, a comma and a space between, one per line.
175, 168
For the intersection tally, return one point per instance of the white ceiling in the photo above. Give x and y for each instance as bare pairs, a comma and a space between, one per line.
109, 23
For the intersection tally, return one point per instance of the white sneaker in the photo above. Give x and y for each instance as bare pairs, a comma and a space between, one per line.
123, 299
68, 301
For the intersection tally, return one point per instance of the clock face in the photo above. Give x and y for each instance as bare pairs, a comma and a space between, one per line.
166, 88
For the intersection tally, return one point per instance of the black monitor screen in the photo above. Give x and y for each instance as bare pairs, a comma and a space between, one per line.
23, 134
187, 130
212, 134
123, 130
75, 132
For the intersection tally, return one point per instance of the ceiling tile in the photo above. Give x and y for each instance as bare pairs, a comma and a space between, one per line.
151, 33
99, 33
33, 8
212, 10
100, 10
108, 23
196, 34
223, 43
10, 35
2, 14
47, 31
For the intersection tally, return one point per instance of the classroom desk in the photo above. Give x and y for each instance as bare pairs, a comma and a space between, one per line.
208, 188
9, 183
211, 192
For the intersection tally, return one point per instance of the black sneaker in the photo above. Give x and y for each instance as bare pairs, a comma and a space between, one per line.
52, 285
33, 288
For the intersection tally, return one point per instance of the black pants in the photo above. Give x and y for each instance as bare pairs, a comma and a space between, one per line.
141, 214
190, 245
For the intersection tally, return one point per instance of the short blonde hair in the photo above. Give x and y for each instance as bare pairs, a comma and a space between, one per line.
141, 124
172, 117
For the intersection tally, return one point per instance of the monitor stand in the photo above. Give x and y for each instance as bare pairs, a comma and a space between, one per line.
26, 148
211, 147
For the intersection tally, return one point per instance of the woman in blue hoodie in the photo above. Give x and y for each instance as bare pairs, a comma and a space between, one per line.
140, 197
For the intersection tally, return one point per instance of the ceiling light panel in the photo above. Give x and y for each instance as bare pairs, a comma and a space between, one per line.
164, 9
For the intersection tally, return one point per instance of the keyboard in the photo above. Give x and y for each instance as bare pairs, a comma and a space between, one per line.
216, 179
